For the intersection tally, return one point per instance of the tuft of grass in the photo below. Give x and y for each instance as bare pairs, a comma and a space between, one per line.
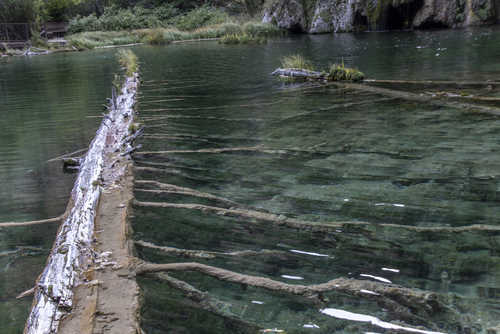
296, 61
338, 72
128, 60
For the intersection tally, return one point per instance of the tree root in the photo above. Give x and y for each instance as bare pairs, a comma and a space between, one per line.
408, 304
308, 225
34, 222
170, 188
204, 254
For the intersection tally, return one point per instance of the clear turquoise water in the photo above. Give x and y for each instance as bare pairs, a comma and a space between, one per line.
346, 156
326, 154
45, 102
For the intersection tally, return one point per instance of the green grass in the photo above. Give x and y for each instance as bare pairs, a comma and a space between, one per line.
296, 61
338, 72
128, 61
158, 36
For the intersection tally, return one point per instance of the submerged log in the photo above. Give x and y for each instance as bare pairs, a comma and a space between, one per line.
73, 252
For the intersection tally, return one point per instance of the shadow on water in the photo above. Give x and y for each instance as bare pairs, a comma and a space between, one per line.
232, 137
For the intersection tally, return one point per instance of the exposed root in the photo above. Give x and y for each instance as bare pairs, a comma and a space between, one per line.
170, 188
215, 150
204, 254
34, 222
308, 225
67, 155
409, 304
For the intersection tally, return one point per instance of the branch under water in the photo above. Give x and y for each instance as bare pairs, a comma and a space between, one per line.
204, 254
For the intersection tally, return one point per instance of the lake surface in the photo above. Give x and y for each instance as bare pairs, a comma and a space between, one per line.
45, 104
234, 137
311, 152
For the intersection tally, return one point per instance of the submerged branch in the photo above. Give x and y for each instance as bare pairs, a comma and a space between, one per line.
204, 254
434, 82
406, 303
67, 155
202, 299
215, 150
34, 222
308, 225
170, 188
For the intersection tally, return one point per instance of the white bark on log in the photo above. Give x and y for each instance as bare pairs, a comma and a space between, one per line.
72, 251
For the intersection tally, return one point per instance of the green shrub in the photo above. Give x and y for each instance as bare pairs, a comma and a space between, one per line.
296, 61
200, 17
115, 19
259, 29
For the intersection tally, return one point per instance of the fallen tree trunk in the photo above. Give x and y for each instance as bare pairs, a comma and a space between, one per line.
412, 305
72, 252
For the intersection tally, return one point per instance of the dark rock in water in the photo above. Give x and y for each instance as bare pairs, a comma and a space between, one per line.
322, 16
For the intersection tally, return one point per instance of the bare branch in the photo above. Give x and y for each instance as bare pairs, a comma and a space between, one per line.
202, 253
308, 225
170, 188
33, 222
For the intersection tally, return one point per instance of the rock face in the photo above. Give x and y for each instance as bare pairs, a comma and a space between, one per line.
321, 16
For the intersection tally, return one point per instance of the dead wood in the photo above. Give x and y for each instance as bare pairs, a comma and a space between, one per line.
421, 98
67, 155
339, 106
313, 226
33, 222
217, 107
203, 300
409, 304
205, 254
434, 82
26, 293
215, 150
184, 191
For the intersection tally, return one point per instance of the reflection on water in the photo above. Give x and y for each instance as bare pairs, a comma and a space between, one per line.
224, 137
44, 104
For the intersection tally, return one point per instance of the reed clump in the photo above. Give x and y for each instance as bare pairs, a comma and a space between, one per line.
338, 72
297, 61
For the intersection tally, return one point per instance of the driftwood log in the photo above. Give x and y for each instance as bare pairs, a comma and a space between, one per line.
72, 252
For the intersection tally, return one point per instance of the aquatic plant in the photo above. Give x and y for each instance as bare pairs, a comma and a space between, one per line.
296, 61
338, 72
128, 60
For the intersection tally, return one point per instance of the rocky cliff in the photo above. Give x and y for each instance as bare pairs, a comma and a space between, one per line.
320, 16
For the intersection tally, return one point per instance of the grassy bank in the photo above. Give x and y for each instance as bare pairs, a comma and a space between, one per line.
159, 36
